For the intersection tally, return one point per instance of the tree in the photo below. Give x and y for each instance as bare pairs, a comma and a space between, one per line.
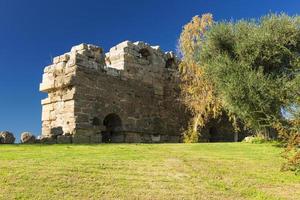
254, 67
250, 69
197, 91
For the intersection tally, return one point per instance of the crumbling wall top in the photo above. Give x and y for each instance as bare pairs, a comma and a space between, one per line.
136, 60
139, 53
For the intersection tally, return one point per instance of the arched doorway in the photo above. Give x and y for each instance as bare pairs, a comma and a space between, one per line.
213, 133
113, 124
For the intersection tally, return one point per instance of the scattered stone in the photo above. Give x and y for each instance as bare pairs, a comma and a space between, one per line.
249, 139
27, 138
7, 137
155, 138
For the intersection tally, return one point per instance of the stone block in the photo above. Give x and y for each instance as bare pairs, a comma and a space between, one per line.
63, 139
140, 43
146, 138
123, 44
46, 101
64, 58
158, 90
45, 128
45, 115
82, 118
56, 60
79, 47
69, 70
155, 138
117, 138
86, 53
55, 131
164, 138
80, 139
133, 138
48, 77
68, 96
97, 138
27, 138
46, 140
155, 47
46, 86
173, 139
95, 48
7, 137
113, 72
48, 69
59, 67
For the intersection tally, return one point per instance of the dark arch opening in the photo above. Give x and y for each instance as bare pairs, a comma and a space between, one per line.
170, 63
213, 133
145, 54
113, 124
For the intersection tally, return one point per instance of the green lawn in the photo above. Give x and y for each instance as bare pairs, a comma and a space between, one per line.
145, 171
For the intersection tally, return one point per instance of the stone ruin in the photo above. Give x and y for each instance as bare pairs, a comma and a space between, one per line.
129, 94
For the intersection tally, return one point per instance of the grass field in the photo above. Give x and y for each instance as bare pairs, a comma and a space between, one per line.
145, 171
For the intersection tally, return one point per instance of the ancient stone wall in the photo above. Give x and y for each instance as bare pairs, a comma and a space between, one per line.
129, 94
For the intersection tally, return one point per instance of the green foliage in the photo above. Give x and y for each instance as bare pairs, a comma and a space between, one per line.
253, 65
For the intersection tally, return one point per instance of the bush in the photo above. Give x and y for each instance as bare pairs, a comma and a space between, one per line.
292, 154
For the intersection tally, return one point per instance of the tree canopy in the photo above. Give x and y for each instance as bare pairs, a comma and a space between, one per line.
248, 68
254, 66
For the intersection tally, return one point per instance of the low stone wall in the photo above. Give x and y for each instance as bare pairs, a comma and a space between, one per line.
117, 137
132, 137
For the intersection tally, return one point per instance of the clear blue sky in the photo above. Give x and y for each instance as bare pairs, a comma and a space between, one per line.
32, 32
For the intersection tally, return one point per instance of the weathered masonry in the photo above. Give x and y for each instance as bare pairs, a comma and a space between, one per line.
129, 94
